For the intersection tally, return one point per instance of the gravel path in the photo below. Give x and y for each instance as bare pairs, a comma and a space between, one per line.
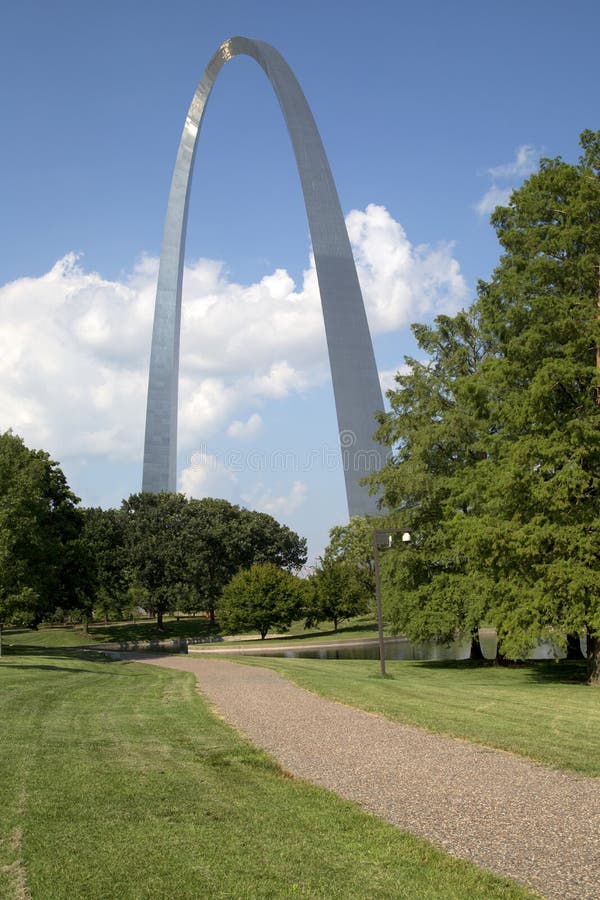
537, 825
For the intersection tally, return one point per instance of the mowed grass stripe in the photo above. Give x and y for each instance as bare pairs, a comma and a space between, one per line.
541, 710
124, 784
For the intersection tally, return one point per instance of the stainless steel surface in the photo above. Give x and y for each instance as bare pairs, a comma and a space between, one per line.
353, 369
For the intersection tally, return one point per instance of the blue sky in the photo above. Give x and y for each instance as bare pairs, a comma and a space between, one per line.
428, 113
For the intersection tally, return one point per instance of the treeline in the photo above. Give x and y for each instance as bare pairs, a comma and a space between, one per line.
495, 436
161, 552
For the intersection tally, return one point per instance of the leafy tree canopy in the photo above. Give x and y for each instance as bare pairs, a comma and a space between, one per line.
104, 537
353, 545
261, 598
43, 561
496, 437
184, 552
336, 592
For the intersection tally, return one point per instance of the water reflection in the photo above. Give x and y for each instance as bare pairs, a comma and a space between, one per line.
403, 649
395, 648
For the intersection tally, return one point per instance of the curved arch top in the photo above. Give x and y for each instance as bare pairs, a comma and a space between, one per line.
353, 369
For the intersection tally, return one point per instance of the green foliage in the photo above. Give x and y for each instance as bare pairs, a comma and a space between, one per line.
353, 544
261, 598
210, 537
104, 537
183, 552
261, 538
497, 436
43, 560
155, 524
221, 539
336, 592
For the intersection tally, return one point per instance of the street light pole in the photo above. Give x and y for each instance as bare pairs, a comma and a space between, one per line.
376, 535
385, 536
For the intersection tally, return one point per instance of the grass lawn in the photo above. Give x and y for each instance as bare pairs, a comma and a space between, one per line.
541, 710
120, 631
360, 627
118, 781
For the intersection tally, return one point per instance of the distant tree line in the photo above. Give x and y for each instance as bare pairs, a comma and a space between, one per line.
161, 552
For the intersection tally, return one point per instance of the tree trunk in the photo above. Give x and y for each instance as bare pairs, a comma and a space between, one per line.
476, 651
335, 624
159, 619
593, 657
574, 647
500, 659
211, 613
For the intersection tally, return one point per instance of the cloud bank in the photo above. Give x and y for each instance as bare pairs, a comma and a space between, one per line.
74, 347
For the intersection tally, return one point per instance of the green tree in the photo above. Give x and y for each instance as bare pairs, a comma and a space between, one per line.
220, 539
261, 538
353, 544
184, 552
335, 592
261, 598
540, 310
211, 537
437, 427
156, 552
104, 537
501, 480
44, 563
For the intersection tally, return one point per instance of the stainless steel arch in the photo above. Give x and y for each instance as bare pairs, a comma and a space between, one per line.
353, 369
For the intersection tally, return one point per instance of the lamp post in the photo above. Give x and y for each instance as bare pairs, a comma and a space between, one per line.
382, 538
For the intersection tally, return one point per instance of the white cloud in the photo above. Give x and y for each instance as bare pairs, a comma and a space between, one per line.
495, 196
245, 431
401, 282
74, 347
264, 500
524, 163
73, 359
387, 378
208, 476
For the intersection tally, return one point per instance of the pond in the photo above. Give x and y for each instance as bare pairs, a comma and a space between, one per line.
395, 649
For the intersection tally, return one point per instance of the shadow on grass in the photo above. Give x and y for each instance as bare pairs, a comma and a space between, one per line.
71, 670
33, 651
149, 631
562, 671
37, 650
120, 632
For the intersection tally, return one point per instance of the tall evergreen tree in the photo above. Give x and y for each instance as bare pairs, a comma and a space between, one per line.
497, 437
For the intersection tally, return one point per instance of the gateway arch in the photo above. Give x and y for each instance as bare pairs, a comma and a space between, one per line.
353, 370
